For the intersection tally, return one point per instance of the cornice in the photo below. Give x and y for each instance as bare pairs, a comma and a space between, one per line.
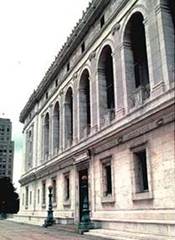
92, 12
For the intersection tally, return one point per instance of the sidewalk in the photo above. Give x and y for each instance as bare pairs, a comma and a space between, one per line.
17, 231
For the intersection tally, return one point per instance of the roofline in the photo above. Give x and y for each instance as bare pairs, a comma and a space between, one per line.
93, 11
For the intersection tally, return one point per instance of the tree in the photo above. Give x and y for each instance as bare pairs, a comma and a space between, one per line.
9, 199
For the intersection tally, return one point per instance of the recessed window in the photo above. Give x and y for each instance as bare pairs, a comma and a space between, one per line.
68, 66
107, 177
141, 174
54, 192
56, 83
67, 187
102, 21
83, 47
27, 197
44, 192
46, 95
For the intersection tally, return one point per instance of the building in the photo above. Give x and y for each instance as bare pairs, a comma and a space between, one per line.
102, 120
6, 148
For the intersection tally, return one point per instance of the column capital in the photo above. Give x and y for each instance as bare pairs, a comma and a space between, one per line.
92, 55
115, 28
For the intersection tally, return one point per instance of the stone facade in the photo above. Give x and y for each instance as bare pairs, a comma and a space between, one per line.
104, 113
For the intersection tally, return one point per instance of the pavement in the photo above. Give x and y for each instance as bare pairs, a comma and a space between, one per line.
19, 231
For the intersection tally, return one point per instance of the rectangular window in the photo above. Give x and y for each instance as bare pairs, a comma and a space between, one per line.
108, 180
67, 187
54, 185
140, 168
68, 66
44, 192
27, 197
83, 47
102, 21
107, 177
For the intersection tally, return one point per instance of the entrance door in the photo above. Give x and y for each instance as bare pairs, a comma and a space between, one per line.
84, 199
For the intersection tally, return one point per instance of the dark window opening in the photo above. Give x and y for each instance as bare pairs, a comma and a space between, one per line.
85, 110
141, 171
54, 190
56, 127
106, 83
43, 192
83, 47
69, 118
108, 180
138, 43
68, 66
46, 95
46, 135
56, 83
67, 190
102, 21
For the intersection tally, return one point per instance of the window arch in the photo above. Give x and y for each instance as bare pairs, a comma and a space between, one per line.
69, 117
106, 85
46, 136
137, 74
84, 104
56, 127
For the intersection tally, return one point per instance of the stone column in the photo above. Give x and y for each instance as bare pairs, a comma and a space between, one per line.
118, 74
127, 62
93, 93
167, 43
153, 56
75, 109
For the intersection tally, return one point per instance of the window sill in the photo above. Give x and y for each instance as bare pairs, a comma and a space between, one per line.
43, 205
142, 196
67, 203
108, 199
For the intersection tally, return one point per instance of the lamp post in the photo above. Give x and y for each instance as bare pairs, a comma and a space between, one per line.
85, 223
49, 221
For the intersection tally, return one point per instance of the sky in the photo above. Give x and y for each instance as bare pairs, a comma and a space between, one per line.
31, 34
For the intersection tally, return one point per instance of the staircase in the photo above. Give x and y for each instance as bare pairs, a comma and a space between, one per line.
120, 235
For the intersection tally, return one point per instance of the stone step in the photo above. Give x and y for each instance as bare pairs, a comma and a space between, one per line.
119, 235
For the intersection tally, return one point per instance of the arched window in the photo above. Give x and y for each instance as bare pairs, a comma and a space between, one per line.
69, 118
84, 103
56, 128
137, 75
46, 136
106, 85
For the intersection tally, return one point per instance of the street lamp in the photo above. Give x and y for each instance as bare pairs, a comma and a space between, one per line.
49, 221
85, 223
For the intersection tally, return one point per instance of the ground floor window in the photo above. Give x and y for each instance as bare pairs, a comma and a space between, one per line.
43, 192
107, 179
27, 197
66, 187
140, 168
141, 173
54, 191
